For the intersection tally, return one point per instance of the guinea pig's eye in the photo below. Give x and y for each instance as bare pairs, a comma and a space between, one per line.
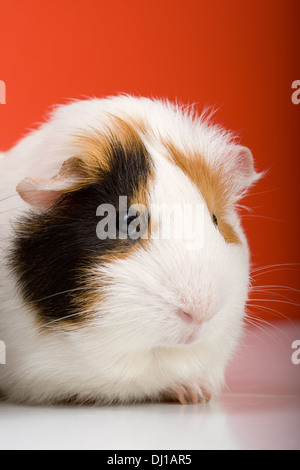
124, 223
215, 220
132, 225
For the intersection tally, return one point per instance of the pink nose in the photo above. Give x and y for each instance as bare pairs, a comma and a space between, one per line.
187, 317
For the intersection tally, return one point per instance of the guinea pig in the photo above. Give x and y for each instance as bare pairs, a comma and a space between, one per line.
122, 315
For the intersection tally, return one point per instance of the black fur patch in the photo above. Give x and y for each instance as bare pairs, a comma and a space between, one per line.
53, 250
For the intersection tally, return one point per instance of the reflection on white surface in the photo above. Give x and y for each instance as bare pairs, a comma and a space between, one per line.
259, 410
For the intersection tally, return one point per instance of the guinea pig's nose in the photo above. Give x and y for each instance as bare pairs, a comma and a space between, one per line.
186, 316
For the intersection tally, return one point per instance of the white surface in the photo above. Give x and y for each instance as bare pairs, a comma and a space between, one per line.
259, 410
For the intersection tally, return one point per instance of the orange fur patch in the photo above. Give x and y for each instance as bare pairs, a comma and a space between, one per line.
211, 184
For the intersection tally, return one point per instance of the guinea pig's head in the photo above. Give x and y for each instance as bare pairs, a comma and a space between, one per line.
137, 239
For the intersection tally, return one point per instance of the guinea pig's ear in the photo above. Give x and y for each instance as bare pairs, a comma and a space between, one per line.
42, 193
239, 167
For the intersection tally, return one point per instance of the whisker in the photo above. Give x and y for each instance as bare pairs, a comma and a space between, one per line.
276, 286
119, 322
246, 208
9, 197
254, 325
295, 304
262, 192
264, 322
272, 292
267, 325
12, 209
263, 273
57, 320
276, 313
278, 265
261, 328
78, 289
258, 216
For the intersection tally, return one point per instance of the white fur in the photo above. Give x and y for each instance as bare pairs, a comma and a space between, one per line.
137, 347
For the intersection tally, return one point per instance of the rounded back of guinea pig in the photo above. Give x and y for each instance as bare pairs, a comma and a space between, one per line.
81, 260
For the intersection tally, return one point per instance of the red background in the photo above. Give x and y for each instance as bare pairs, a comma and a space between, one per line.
241, 56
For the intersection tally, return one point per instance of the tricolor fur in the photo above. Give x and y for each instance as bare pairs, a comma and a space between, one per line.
104, 320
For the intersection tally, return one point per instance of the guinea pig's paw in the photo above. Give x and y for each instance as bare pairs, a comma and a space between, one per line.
192, 394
